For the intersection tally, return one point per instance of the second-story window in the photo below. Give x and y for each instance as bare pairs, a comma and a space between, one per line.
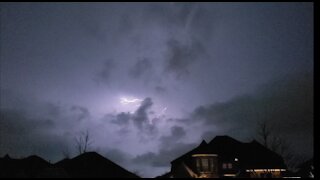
206, 163
224, 165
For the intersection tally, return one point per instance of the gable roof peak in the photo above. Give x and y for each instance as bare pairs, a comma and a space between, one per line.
224, 138
203, 143
7, 156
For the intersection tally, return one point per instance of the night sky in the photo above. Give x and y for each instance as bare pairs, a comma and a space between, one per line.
149, 81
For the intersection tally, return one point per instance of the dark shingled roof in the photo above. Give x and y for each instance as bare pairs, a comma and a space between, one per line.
165, 175
202, 148
92, 164
255, 155
88, 165
27, 167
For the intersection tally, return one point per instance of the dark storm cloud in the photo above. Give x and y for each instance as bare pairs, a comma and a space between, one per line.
42, 128
142, 67
195, 21
286, 104
177, 133
189, 22
220, 50
91, 26
140, 117
21, 135
121, 118
164, 156
53, 110
170, 148
105, 73
181, 56
160, 89
142, 120
116, 155
83, 113
13, 121
147, 158
174, 15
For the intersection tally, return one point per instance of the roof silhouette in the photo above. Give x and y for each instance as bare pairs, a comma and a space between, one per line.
250, 155
53, 172
92, 164
26, 167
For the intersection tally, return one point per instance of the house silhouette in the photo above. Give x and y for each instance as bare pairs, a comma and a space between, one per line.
90, 164
22, 168
224, 156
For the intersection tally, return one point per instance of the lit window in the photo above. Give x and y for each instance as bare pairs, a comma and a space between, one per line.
198, 164
211, 165
224, 165
205, 164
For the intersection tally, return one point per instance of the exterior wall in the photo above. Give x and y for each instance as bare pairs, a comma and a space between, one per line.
212, 166
180, 171
229, 168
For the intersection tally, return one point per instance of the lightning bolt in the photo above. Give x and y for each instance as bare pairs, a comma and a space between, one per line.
164, 110
128, 101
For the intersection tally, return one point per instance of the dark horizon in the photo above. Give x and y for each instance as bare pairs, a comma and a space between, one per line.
147, 81
94, 165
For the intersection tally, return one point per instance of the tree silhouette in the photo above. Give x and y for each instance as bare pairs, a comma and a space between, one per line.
66, 153
83, 142
264, 132
273, 141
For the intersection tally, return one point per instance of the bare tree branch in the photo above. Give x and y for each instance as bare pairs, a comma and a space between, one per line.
66, 153
83, 142
264, 132
276, 143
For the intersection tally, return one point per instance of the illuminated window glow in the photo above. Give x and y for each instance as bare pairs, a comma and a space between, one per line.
224, 165
265, 170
